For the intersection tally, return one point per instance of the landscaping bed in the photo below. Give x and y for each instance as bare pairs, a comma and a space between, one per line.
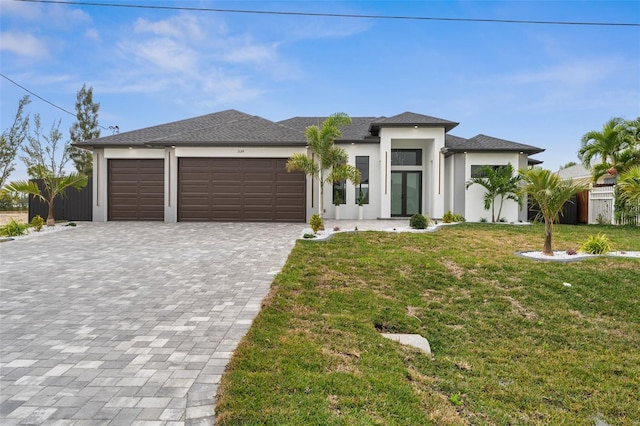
511, 342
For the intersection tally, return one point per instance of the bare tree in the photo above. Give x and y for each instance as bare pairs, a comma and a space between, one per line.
11, 140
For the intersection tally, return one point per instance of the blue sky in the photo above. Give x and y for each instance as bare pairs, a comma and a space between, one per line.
543, 85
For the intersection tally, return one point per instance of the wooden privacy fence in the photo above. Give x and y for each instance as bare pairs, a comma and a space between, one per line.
75, 205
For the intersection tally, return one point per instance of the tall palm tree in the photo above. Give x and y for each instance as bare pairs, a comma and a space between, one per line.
329, 162
54, 186
549, 193
499, 182
610, 145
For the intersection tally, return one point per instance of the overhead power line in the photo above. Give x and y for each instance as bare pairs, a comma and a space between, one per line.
335, 15
43, 99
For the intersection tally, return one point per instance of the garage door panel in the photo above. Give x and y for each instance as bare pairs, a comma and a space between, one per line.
136, 189
240, 189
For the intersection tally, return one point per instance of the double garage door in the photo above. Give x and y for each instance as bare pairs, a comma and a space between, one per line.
209, 189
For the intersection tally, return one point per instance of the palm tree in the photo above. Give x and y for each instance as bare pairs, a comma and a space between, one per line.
329, 162
611, 145
499, 182
54, 186
629, 185
549, 193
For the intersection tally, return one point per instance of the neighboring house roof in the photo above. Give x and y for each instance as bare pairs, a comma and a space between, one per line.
577, 171
487, 143
231, 127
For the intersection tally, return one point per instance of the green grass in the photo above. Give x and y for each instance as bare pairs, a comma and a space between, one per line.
511, 344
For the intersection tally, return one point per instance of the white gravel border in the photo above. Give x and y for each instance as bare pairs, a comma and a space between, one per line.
561, 256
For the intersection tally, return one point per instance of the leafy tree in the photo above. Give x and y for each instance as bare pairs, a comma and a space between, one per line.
85, 128
549, 193
569, 164
45, 161
329, 162
499, 182
11, 140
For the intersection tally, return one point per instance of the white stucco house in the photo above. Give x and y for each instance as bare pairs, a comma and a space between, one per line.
230, 166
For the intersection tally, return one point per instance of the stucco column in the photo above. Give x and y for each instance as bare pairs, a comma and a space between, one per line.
100, 178
385, 176
170, 185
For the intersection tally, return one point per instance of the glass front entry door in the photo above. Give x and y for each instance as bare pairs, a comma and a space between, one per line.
406, 193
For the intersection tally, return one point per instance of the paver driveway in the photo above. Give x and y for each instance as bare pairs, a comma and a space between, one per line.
119, 323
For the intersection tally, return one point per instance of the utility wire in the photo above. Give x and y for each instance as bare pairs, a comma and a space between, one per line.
334, 15
43, 99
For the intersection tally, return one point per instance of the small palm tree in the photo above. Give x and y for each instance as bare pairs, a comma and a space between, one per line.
549, 193
329, 162
499, 182
54, 186
629, 185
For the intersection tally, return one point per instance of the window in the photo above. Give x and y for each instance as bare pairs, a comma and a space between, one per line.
406, 157
362, 164
477, 171
339, 192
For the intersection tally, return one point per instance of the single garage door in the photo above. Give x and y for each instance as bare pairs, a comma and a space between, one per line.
240, 189
136, 189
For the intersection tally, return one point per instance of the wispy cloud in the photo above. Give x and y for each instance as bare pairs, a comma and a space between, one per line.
23, 44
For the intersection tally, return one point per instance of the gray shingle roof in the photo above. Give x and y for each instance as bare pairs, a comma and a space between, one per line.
219, 128
487, 143
356, 131
413, 119
233, 127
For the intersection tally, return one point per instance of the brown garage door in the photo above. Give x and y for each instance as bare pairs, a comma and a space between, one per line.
239, 189
136, 189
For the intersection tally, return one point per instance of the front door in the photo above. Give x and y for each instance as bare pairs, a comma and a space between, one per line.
406, 193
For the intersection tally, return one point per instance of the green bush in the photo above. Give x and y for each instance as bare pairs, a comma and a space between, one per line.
459, 218
419, 221
13, 229
316, 223
37, 222
448, 217
596, 244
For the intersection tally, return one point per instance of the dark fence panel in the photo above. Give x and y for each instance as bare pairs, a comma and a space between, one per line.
75, 205
569, 215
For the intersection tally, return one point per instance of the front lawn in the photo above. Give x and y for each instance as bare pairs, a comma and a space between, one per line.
511, 342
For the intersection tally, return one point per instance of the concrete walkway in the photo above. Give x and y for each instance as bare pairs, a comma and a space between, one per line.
129, 323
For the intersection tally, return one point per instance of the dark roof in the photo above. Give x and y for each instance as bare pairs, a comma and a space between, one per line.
413, 119
233, 127
220, 128
358, 130
486, 143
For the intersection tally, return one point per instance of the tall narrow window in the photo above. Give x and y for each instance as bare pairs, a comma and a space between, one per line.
339, 192
362, 190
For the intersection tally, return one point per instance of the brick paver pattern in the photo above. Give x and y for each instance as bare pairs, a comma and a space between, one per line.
129, 323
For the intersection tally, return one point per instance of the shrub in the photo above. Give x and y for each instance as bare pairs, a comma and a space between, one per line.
71, 224
37, 222
596, 244
13, 229
316, 223
419, 221
336, 228
483, 220
458, 218
571, 252
308, 236
448, 217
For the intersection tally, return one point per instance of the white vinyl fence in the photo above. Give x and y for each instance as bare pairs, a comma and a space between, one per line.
601, 204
